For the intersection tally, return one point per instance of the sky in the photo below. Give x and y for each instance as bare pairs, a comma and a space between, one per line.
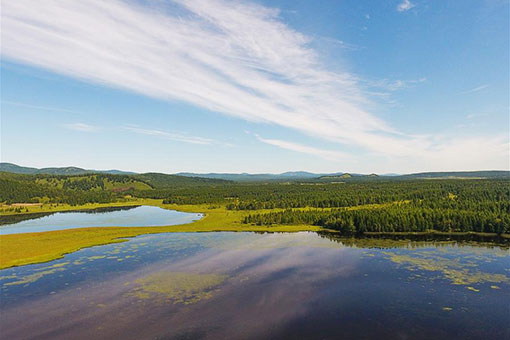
394, 86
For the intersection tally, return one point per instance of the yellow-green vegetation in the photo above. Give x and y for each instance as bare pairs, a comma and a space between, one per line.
33, 277
29, 248
452, 269
37, 275
179, 287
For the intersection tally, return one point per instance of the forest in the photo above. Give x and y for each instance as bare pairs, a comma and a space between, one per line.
352, 207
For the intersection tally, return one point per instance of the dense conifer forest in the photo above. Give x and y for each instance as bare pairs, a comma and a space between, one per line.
351, 206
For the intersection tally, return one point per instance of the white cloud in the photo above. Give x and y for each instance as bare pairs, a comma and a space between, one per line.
405, 6
38, 107
476, 89
179, 137
476, 115
339, 43
469, 153
237, 59
82, 127
329, 155
393, 85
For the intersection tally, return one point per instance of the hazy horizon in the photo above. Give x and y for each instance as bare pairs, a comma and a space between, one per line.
254, 173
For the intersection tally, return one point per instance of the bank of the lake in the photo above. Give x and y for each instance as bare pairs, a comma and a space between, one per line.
30, 248
254, 286
132, 216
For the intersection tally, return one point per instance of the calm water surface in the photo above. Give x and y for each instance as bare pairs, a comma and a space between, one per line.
261, 286
141, 216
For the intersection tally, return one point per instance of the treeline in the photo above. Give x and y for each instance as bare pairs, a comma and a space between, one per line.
396, 218
54, 189
92, 188
481, 205
87, 182
19, 192
447, 206
458, 194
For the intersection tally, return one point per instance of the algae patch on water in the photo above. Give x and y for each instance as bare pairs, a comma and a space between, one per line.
179, 287
33, 277
457, 272
38, 273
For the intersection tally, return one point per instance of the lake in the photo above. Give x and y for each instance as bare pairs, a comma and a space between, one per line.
137, 216
256, 286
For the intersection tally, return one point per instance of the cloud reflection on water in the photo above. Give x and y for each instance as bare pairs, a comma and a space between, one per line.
269, 284
256, 286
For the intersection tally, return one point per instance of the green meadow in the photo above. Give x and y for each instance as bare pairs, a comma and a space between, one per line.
355, 207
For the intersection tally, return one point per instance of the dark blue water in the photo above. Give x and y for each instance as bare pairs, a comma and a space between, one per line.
259, 286
142, 216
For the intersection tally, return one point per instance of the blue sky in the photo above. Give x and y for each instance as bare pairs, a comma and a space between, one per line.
256, 86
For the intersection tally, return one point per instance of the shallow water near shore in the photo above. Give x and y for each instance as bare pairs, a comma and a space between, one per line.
135, 216
251, 286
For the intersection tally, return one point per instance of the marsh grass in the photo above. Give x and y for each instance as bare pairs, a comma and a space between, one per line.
29, 248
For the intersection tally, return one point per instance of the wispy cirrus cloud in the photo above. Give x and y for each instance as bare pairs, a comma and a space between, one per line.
394, 85
82, 127
405, 6
477, 115
238, 59
384, 88
476, 89
38, 107
329, 155
175, 136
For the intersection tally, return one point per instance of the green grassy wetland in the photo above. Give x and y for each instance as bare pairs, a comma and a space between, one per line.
185, 254
356, 206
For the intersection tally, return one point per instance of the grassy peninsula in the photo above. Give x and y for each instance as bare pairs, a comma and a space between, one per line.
355, 206
28, 248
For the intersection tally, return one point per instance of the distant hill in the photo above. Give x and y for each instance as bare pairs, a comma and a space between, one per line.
114, 179
494, 174
342, 176
158, 180
347, 176
70, 170
245, 177
304, 176
162, 180
459, 174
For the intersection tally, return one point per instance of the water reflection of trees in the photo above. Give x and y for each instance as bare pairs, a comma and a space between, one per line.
418, 241
106, 209
12, 219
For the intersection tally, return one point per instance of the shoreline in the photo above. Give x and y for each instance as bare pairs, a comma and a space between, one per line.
30, 248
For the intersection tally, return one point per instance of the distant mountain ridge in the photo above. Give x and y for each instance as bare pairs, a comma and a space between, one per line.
291, 175
303, 175
69, 170
113, 180
246, 177
460, 174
